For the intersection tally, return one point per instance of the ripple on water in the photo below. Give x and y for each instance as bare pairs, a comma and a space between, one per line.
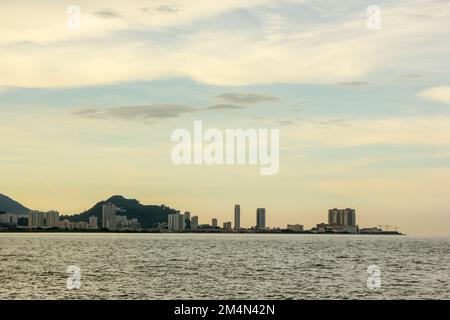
222, 266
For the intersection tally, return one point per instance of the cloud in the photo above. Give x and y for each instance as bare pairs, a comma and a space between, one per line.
155, 111
107, 13
439, 93
411, 75
225, 107
86, 111
430, 131
167, 9
164, 9
202, 43
332, 122
19, 21
246, 97
352, 83
286, 122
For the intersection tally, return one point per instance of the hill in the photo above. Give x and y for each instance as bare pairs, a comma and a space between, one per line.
148, 215
11, 206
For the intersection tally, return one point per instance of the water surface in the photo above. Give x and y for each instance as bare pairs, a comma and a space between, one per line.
222, 266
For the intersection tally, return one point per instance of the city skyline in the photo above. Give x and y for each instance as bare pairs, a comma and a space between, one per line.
339, 221
334, 217
88, 110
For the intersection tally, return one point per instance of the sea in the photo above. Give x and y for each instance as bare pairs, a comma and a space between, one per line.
222, 266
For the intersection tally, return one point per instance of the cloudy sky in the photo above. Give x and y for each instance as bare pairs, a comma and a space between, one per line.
364, 115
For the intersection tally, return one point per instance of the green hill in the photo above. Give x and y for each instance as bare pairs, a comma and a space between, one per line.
11, 206
148, 215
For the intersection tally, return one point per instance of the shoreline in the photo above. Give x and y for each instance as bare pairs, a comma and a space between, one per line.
385, 233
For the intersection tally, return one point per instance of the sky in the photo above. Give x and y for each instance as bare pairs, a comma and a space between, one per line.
87, 110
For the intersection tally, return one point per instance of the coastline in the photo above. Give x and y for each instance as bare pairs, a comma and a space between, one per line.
390, 233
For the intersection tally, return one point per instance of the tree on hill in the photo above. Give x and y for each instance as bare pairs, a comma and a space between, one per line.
147, 215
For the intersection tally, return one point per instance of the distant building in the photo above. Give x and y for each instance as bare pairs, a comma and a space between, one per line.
340, 228
44, 220
93, 223
373, 230
194, 222
108, 214
181, 222
78, 225
214, 223
81, 225
227, 225
260, 218
322, 227
333, 216
237, 217
295, 227
114, 222
172, 224
22, 221
350, 218
336, 228
345, 217
66, 224
8, 219
176, 221
187, 220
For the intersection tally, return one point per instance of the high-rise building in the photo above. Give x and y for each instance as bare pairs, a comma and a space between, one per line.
176, 221
187, 220
181, 222
38, 219
237, 217
227, 225
345, 217
351, 217
81, 225
108, 215
8, 218
172, 221
65, 224
93, 222
112, 221
35, 219
194, 222
214, 223
333, 216
260, 218
51, 219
